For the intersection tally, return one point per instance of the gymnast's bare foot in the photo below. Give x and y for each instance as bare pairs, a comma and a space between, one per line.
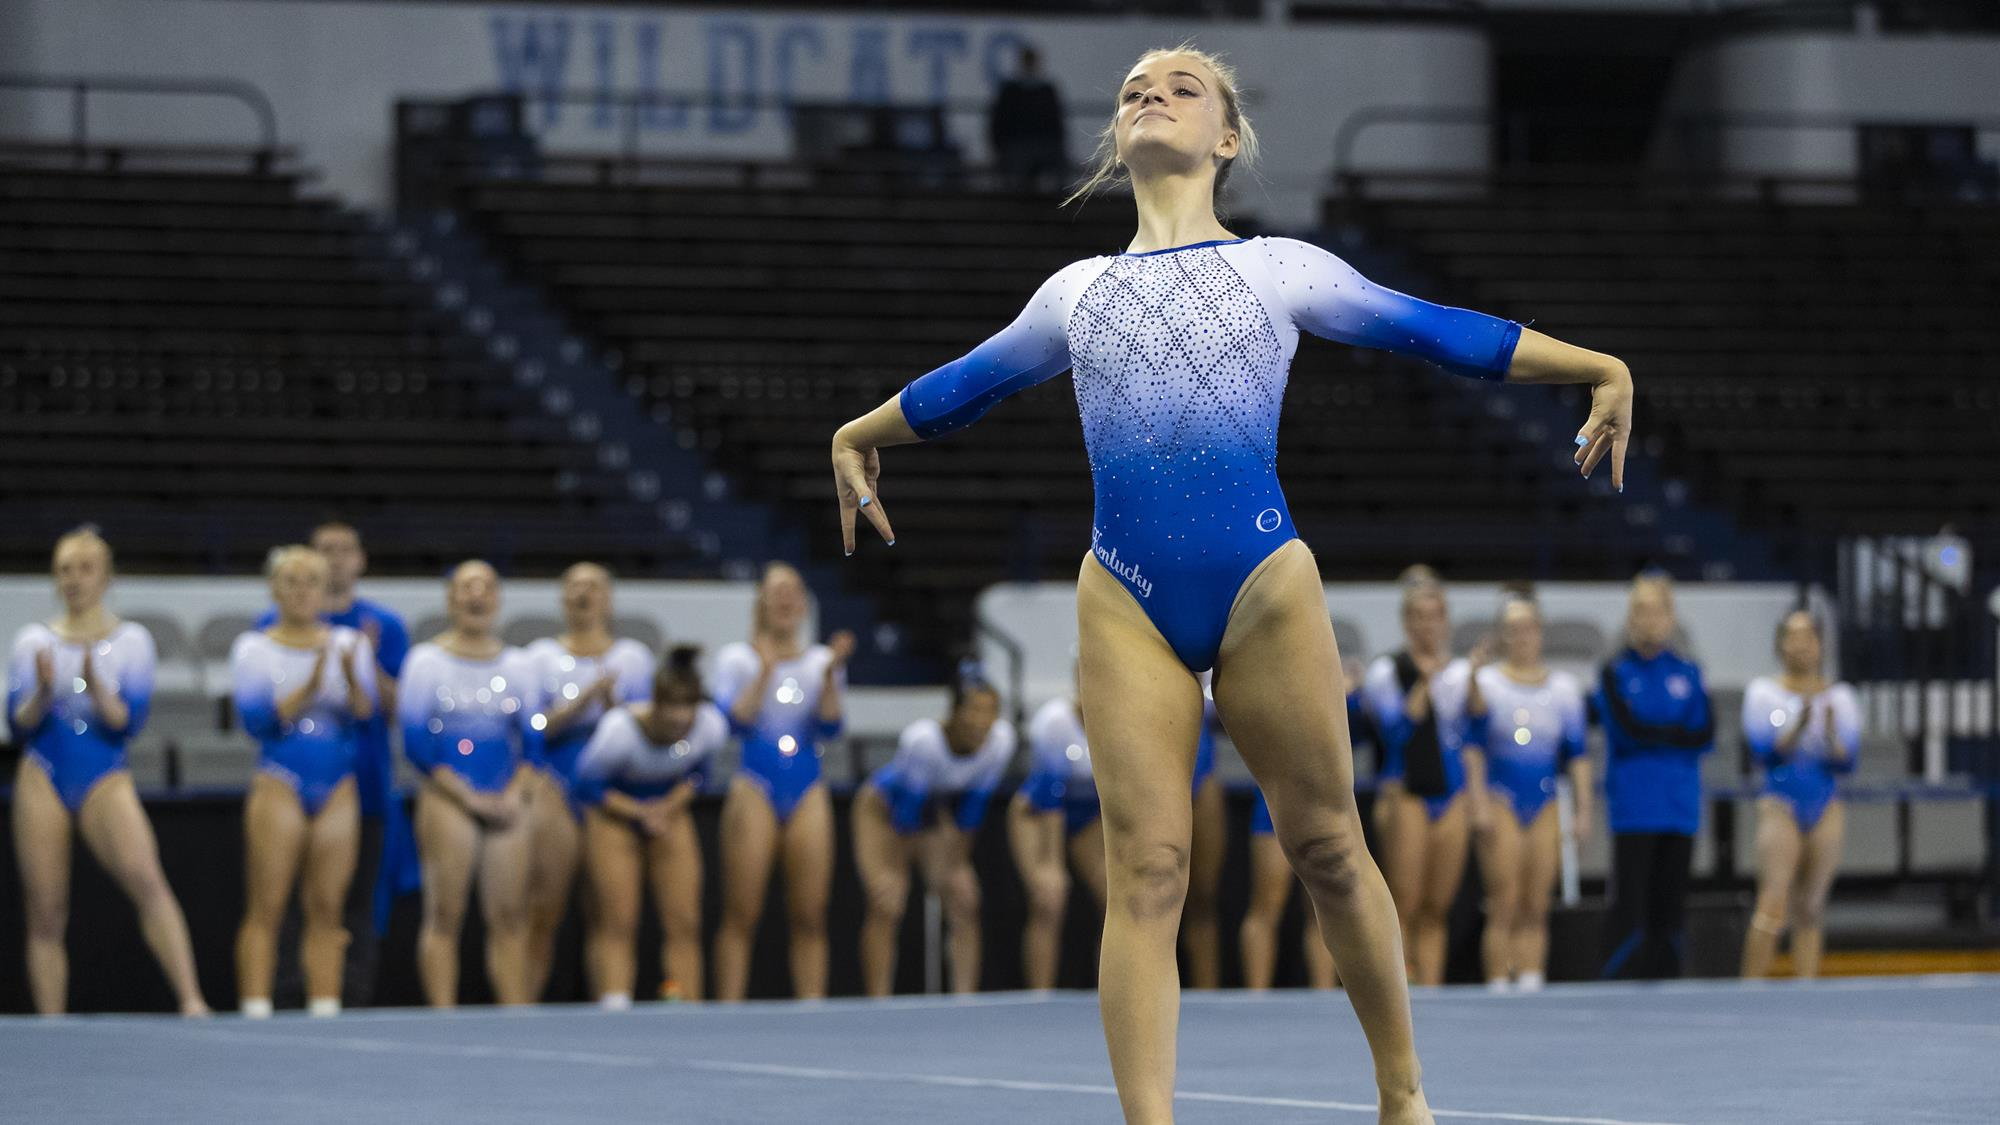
1406, 1107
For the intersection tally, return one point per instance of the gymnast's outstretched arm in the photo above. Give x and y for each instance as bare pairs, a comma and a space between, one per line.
1030, 350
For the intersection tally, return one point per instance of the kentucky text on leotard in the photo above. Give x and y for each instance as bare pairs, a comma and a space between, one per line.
1181, 358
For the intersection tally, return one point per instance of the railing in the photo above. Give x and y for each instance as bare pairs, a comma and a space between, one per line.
1683, 146
80, 88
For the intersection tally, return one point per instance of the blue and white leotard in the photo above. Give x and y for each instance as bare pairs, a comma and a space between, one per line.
781, 748
1181, 358
481, 719
320, 748
1531, 732
1805, 777
925, 772
73, 744
562, 675
1059, 776
619, 756
1385, 700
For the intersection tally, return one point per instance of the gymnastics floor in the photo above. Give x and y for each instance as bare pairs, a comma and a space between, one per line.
1867, 1050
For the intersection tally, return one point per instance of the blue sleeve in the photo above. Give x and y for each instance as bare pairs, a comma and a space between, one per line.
265, 619
138, 665
1701, 718
1760, 737
1032, 349
1329, 298
413, 715
20, 684
394, 645
254, 692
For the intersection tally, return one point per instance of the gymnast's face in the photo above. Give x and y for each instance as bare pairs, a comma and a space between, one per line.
1799, 644
1426, 625
1649, 617
473, 598
298, 586
82, 570
1171, 118
966, 732
671, 718
1521, 634
783, 601
586, 596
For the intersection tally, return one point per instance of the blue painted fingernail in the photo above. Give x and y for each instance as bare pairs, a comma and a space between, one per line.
864, 501
847, 554
1580, 440
1621, 488
892, 542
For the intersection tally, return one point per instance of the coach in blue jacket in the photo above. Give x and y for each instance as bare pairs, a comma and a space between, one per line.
1657, 725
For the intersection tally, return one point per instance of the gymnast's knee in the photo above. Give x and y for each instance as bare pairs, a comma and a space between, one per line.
1329, 861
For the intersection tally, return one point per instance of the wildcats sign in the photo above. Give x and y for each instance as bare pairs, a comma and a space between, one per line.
728, 75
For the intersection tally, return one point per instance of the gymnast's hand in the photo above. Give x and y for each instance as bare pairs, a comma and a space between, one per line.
1610, 424
857, 466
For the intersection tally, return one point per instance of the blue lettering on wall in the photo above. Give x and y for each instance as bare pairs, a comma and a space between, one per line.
657, 113
532, 54
603, 52
868, 73
941, 46
793, 39
726, 38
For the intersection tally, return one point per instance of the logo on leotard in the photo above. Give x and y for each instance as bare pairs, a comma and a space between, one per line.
1269, 520
1129, 571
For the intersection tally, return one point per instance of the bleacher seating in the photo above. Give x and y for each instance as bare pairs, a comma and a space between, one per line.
762, 318
1808, 369
202, 363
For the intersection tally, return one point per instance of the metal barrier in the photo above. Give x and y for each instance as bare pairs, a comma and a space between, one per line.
264, 152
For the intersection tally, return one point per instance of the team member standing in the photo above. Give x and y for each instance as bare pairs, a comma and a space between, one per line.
1181, 348
1417, 700
1657, 726
580, 675
641, 770
78, 689
1804, 732
926, 805
303, 690
382, 814
1530, 722
472, 724
1053, 827
783, 698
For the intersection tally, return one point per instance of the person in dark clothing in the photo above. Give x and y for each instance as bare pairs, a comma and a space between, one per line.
1025, 127
1657, 725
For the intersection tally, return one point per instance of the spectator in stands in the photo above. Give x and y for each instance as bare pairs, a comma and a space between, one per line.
783, 697
581, 674
1803, 732
1272, 878
1053, 825
1208, 849
382, 813
925, 806
304, 690
472, 725
1530, 723
1026, 128
637, 777
78, 689
1657, 726
1417, 699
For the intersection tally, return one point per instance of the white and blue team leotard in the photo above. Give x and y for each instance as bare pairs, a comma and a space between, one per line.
73, 744
562, 675
925, 771
481, 719
320, 748
781, 747
1059, 776
1181, 358
1805, 777
1384, 697
620, 757
1531, 732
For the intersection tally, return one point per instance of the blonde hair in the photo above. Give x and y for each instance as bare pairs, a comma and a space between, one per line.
282, 557
1108, 169
1653, 580
85, 533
